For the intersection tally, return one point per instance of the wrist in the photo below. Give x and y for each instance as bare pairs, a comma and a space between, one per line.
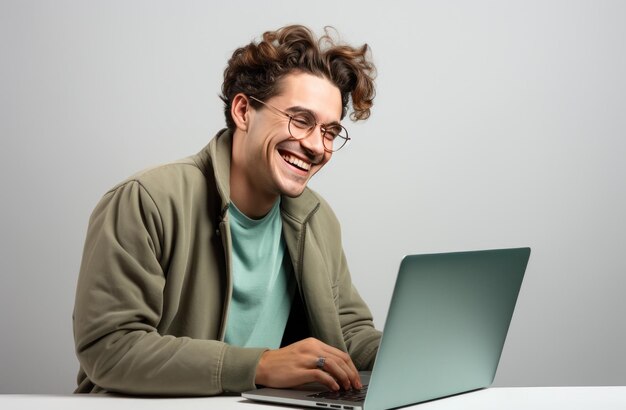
261, 373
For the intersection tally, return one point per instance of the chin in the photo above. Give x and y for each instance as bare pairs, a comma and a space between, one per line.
293, 191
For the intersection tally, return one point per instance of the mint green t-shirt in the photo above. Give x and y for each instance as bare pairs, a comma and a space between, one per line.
262, 280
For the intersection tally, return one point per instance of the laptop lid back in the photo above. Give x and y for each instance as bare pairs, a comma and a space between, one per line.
446, 325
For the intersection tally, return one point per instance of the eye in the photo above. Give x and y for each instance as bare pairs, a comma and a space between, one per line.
303, 121
332, 131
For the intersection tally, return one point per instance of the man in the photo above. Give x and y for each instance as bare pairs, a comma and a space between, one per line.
223, 271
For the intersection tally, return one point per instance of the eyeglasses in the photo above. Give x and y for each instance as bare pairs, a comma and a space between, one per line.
303, 123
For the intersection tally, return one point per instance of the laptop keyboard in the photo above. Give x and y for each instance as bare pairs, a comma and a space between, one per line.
346, 395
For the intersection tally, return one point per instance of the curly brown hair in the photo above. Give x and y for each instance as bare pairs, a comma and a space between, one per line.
256, 69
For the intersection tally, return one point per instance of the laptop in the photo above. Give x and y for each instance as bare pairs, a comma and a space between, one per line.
444, 333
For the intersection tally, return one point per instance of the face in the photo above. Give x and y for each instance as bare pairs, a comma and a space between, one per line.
271, 160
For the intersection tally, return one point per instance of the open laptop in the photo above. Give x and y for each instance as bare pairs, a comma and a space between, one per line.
444, 333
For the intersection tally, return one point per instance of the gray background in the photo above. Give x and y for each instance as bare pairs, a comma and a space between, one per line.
496, 124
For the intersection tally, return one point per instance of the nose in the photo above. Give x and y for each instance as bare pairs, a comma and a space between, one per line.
314, 142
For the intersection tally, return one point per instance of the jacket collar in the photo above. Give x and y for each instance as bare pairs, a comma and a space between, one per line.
216, 156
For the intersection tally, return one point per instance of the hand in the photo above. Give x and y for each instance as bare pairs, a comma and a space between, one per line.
296, 364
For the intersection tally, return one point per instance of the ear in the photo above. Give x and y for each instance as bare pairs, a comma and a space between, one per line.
239, 111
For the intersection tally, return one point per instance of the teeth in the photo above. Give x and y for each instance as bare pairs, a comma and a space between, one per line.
296, 161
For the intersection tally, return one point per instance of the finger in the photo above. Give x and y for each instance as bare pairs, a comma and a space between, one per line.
339, 371
344, 362
314, 349
351, 372
324, 378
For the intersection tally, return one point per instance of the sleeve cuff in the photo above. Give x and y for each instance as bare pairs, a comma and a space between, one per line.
239, 368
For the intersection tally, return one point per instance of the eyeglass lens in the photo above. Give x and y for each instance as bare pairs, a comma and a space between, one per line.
334, 138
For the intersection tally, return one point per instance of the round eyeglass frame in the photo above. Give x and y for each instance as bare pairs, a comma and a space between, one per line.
342, 139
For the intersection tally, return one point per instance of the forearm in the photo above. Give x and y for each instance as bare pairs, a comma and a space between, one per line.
362, 343
146, 363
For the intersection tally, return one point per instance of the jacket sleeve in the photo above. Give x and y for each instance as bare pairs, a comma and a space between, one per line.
357, 326
118, 307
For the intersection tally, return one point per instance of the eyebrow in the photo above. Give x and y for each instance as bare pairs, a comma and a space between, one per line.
298, 109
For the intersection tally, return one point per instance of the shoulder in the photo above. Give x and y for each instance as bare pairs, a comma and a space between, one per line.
169, 180
164, 177
173, 188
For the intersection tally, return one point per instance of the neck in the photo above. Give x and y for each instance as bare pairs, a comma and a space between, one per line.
252, 203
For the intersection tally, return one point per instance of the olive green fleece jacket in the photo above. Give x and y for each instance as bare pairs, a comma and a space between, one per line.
155, 283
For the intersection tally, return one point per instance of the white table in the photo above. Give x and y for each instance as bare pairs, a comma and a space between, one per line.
498, 398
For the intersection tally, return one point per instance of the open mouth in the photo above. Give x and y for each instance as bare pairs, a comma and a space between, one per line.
296, 162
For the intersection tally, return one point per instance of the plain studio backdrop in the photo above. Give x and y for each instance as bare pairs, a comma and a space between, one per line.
496, 124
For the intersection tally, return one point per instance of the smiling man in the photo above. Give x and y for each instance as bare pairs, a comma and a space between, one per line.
223, 271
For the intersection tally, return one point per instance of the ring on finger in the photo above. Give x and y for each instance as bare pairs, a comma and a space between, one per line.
321, 361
